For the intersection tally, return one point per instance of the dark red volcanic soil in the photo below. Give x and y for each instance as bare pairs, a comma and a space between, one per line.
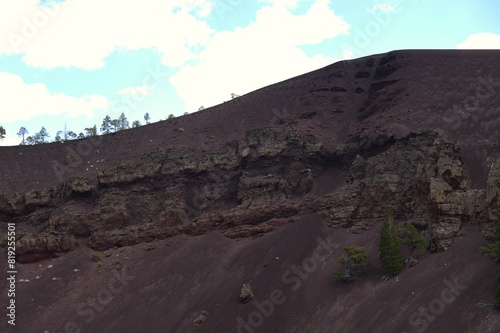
170, 282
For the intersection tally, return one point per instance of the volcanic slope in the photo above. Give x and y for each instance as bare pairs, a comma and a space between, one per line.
156, 228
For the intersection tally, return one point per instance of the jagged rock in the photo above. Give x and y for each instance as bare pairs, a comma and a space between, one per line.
179, 160
246, 294
445, 232
76, 185
438, 190
358, 168
112, 213
131, 170
359, 226
198, 321
5, 205
252, 187
474, 205
493, 190
449, 164
33, 247
246, 231
269, 141
259, 190
412, 262
39, 217
68, 220
18, 203
224, 157
36, 198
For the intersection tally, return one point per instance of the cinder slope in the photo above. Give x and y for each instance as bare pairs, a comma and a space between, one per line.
265, 189
170, 283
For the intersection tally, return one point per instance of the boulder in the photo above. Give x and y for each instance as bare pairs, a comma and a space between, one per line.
246, 294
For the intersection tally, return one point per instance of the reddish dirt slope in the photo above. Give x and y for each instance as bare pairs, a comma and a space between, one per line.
164, 285
168, 283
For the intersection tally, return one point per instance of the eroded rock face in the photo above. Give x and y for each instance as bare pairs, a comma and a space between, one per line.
132, 170
76, 186
251, 187
33, 247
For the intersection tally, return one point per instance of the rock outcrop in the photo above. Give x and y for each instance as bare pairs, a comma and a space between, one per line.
251, 187
246, 294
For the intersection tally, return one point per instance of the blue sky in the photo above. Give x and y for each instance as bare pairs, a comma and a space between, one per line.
74, 62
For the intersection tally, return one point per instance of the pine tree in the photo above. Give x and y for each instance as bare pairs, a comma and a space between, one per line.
353, 263
115, 125
30, 141
22, 133
2, 133
122, 122
42, 135
91, 131
390, 253
410, 237
106, 125
147, 118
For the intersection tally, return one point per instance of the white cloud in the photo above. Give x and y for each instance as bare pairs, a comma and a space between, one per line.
143, 90
281, 3
24, 101
81, 33
483, 40
266, 51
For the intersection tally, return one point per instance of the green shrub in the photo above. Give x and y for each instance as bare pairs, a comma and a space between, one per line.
96, 257
410, 237
390, 253
353, 262
69, 159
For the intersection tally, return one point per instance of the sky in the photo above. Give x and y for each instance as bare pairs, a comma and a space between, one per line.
68, 64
